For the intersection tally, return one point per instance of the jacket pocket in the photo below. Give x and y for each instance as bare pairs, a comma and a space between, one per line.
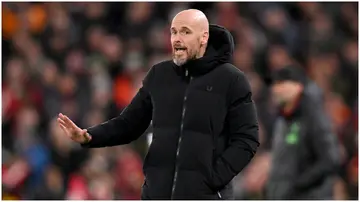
208, 183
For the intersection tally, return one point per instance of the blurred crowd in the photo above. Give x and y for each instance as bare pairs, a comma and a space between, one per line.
87, 60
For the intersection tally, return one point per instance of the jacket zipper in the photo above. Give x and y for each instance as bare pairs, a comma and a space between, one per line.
180, 137
219, 195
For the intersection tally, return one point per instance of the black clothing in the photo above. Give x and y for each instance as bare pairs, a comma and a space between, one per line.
305, 155
205, 128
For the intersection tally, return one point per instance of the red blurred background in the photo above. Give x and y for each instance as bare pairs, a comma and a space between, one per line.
87, 60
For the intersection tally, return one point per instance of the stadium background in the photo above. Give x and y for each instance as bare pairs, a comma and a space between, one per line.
87, 60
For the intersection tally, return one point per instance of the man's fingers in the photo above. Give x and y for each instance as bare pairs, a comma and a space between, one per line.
86, 135
65, 130
69, 122
66, 126
61, 121
84, 131
71, 129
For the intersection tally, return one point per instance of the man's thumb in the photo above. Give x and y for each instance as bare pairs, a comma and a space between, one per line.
86, 135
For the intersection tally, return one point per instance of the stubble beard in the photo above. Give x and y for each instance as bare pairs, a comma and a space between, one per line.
179, 61
182, 61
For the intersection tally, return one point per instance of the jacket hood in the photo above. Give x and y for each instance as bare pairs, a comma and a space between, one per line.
219, 50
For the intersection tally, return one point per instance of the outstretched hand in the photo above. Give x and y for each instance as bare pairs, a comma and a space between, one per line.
72, 130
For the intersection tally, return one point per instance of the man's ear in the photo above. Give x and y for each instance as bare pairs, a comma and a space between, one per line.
205, 38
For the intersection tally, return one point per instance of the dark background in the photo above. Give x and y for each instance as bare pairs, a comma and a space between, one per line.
87, 61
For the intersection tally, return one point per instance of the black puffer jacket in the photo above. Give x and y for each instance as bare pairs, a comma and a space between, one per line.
205, 127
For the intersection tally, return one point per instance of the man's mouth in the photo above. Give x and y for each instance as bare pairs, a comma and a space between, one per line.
180, 50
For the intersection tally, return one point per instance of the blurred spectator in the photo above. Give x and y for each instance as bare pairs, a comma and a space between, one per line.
52, 188
88, 60
278, 57
300, 168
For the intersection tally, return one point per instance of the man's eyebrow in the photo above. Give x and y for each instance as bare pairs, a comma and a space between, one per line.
182, 28
186, 28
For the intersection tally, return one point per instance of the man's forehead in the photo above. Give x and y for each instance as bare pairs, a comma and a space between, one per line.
191, 19
182, 23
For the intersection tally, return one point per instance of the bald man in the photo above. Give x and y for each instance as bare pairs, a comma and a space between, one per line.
205, 128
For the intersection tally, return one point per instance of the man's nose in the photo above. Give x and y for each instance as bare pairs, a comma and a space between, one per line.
177, 38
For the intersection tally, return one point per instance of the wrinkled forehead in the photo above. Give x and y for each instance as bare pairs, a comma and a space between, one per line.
182, 21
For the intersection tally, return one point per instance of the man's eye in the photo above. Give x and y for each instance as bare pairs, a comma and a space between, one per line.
185, 32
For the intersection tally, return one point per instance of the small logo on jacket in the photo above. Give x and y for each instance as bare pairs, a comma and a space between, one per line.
293, 136
209, 88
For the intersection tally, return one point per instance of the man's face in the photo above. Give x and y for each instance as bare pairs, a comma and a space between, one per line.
285, 91
185, 40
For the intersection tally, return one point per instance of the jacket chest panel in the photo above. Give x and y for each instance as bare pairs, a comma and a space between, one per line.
206, 108
206, 104
167, 100
199, 104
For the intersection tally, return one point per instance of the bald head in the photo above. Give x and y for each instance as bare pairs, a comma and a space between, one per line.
193, 17
190, 33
